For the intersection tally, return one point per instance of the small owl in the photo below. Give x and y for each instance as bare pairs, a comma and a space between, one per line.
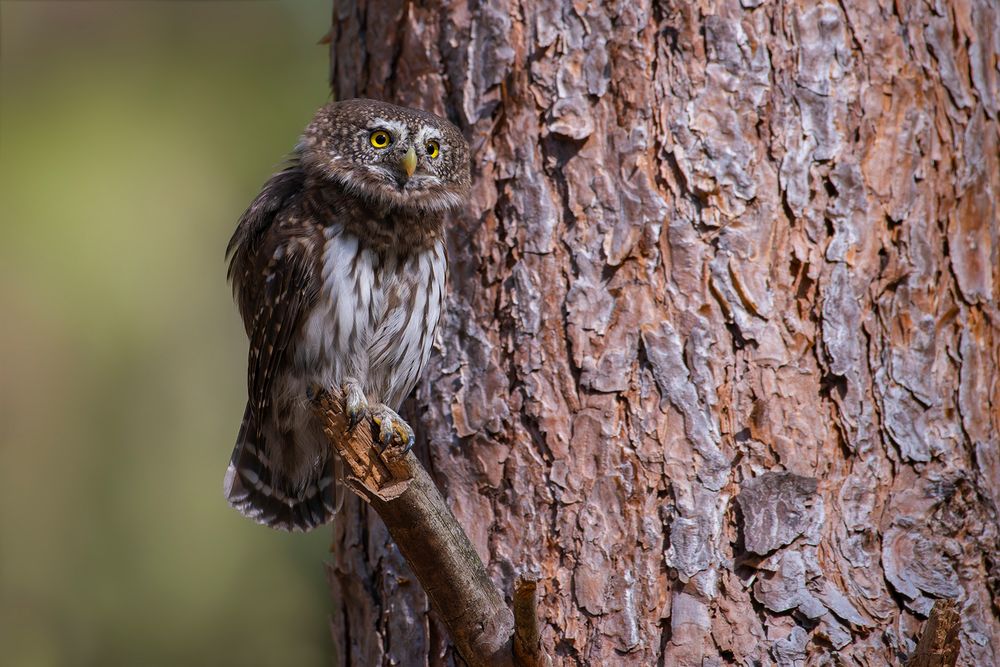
338, 267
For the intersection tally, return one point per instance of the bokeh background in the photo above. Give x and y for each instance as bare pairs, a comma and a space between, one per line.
132, 136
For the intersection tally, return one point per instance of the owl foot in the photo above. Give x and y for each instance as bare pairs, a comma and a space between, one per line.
391, 430
355, 404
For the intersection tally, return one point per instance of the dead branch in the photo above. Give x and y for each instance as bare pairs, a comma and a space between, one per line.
527, 638
433, 543
938, 645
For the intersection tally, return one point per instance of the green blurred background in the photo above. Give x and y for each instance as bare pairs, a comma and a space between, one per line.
132, 136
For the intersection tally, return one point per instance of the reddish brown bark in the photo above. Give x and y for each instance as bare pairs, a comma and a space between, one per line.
721, 358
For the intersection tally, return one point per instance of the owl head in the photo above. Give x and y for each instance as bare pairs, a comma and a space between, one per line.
394, 157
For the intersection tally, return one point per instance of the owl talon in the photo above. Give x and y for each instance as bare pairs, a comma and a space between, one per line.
355, 404
356, 416
391, 431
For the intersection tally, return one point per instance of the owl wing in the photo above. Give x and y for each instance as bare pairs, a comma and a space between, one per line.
272, 269
287, 291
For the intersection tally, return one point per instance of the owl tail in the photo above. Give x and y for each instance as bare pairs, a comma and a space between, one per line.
260, 493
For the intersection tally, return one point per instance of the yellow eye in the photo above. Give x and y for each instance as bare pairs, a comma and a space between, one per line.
380, 139
432, 148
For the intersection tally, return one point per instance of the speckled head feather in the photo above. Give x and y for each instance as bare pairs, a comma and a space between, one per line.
339, 145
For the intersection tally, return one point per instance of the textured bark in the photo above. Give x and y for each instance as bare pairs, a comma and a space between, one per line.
721, 359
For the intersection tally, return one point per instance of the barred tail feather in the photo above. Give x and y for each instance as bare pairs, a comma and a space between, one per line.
257, 492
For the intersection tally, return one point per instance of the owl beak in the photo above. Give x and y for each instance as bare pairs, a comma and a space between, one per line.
409, 162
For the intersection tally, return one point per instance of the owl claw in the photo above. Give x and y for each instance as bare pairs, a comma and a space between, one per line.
355, 404
392, 431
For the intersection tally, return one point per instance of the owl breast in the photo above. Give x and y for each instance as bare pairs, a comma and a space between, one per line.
374, 318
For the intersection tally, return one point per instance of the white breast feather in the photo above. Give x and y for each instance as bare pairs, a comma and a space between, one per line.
351, 331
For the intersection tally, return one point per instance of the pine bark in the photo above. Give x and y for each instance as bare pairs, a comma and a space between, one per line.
720, 363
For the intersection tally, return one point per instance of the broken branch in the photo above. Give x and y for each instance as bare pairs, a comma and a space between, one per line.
429, 538
938, 645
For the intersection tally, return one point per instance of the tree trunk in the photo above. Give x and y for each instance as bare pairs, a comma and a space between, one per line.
721, 357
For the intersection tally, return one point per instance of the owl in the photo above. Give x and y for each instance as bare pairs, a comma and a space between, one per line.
338, 268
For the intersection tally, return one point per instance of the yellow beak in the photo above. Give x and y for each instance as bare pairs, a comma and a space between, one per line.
409, 162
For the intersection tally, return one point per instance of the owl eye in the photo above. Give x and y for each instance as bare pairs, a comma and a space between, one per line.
433, 149
380, 139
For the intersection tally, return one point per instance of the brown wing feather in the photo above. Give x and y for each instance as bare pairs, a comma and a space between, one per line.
244, 249
288, 290
273, 254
